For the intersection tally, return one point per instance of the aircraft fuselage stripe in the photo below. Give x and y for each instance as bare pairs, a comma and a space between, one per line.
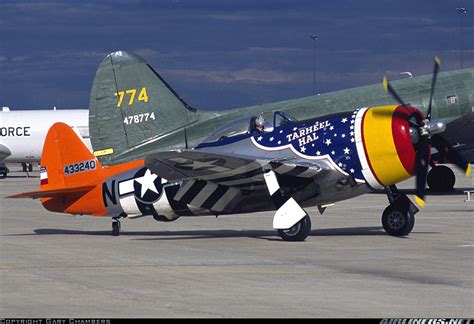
367, 171
204, 194
193, 191
183, 189
215, 196
226, 199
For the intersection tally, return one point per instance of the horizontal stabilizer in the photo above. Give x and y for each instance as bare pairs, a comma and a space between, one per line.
52, 193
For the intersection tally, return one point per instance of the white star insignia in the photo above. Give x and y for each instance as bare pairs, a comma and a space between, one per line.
352, 170
259, 138
147, 182
331, 128
303, 149
279, 142
318, 153
352, 127
271, 139
352, 140
347, 150
340, 164
332, 152
343, 135
344, 120
328, 142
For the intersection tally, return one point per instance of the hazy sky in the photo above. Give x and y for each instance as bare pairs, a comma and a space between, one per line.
222, 54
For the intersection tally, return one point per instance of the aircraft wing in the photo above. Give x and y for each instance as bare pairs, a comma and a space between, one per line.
228, 170
226, 178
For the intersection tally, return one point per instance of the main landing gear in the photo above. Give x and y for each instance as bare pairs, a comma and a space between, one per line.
290, 220
116, 227
298, 232
398, 218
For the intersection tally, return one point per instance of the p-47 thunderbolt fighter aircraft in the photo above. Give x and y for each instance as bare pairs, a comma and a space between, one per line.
253, 164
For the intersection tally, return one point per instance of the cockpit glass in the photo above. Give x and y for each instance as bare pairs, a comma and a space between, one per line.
281, 119
234, 128
246, 125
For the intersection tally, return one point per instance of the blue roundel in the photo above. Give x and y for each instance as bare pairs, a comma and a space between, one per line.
147, 186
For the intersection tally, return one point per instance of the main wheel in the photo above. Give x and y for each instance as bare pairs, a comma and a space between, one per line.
397, 221
441, 179
298, 232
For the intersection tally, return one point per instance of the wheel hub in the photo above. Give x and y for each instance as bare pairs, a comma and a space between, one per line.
292, 231
396, 220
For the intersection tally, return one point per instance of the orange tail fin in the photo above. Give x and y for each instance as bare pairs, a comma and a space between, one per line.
66, 162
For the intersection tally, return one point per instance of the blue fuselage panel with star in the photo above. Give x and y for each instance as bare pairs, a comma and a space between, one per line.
331, 137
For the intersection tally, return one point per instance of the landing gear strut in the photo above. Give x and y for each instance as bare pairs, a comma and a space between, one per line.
291, 221
398, 218
116, 227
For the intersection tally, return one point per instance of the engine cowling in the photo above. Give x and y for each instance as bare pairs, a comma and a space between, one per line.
386, 144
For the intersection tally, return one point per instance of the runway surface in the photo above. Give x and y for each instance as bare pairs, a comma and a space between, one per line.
56, 265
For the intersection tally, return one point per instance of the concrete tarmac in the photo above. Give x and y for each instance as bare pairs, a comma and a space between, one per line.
56, 265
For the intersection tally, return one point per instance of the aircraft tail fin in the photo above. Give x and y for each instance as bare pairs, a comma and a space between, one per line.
130, 104
66, 162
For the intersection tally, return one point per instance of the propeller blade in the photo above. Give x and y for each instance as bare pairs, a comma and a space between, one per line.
388, 88
450, 155
421, 169
437, 63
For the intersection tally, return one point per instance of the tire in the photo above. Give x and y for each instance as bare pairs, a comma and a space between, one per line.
115, 229
298, 232
441, 179
397, 221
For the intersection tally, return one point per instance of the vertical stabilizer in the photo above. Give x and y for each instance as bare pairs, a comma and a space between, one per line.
130, 103
65, 161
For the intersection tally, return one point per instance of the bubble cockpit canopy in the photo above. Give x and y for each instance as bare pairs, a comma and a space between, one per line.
246, 126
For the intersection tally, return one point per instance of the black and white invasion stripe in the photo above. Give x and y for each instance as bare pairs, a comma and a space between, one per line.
208, 195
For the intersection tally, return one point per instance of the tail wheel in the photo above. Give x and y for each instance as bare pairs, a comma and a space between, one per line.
116, 228
298, 232
397, 221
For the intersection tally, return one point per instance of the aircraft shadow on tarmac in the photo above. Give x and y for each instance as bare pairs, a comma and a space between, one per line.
206, 234
429, 192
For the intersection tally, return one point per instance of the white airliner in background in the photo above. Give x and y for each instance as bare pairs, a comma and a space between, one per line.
22, 133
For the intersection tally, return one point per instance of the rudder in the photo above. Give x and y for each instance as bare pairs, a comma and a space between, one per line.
66, 162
